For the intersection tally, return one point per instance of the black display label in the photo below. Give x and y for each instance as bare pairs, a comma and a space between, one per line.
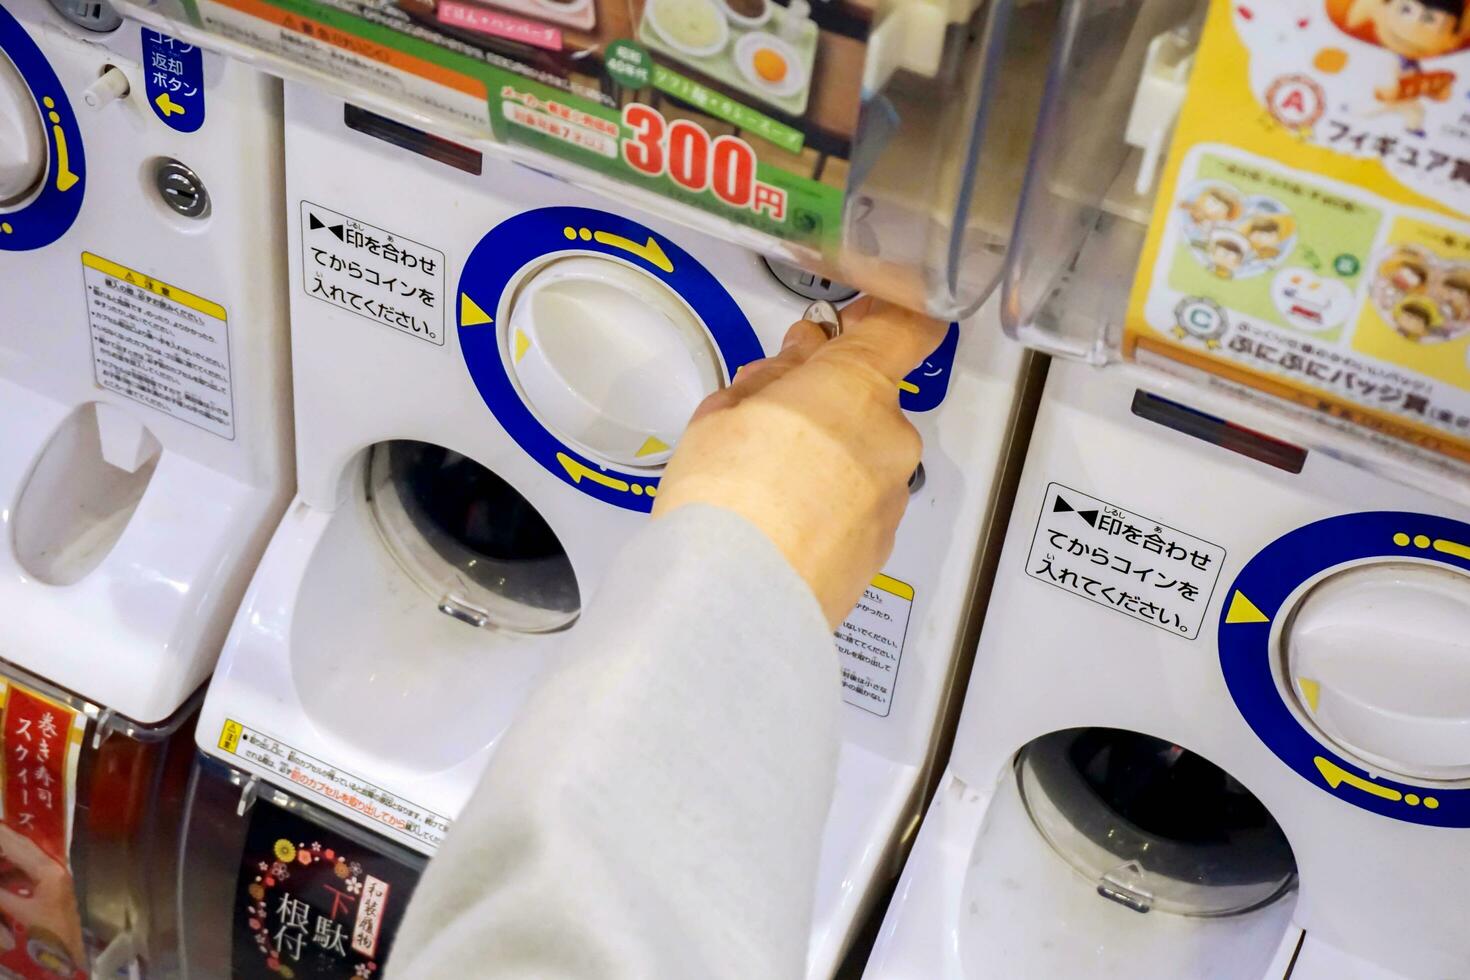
311, 904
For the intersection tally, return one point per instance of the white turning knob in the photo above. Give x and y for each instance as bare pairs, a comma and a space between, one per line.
1379, 658
609, 358
22, 138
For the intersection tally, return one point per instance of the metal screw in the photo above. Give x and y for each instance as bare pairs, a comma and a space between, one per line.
181, 189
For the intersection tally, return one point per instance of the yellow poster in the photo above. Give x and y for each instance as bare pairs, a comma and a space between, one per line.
1309, 237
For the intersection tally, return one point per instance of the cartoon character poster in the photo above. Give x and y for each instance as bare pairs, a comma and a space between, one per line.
1309, 236
312, 904
1376, 80
1419, 33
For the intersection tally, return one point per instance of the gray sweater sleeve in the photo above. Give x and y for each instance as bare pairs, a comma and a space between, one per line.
656, 809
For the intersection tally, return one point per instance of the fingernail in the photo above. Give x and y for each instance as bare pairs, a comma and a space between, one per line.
793, 336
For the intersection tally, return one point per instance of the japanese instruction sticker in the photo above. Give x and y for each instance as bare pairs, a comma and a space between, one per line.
374, 273
1309, 236
159, 345
1135, 566
174, 81
313, 904
420, 828
870, 642
41, 741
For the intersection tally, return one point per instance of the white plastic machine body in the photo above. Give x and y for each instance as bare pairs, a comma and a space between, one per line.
132, 521
1339, 708
586, 332
145, 453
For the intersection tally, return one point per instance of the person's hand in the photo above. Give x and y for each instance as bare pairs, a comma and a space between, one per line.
810, 446
41, 897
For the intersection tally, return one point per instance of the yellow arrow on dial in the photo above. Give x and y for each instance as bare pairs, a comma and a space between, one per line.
470, 313
650, 251
1336, 776
651, 445
1311, 692
578, 473
1242, 610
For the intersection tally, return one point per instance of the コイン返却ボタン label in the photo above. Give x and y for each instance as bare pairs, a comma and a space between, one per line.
1123, 561
174, 81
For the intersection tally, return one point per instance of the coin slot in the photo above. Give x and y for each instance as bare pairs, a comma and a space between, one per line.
92, 15
809, 285
180, 189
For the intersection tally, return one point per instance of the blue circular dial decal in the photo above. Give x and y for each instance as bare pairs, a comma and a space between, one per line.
1258, 597
547, 233
48, 215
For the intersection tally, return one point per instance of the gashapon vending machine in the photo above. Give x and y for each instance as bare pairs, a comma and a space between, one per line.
526, 238
1215, 725
145, 456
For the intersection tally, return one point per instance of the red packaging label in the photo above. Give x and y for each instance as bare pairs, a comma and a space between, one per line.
40, 930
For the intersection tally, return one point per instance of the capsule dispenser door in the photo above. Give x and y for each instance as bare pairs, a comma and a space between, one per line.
125, 851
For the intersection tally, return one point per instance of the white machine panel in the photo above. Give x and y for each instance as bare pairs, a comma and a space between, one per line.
1325, 686
459, 501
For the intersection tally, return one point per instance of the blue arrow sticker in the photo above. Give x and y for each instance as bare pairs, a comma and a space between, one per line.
173, 79
927, 384
492, 269
1258, 598
52, 209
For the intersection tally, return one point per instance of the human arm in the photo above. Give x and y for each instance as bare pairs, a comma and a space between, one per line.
657, 807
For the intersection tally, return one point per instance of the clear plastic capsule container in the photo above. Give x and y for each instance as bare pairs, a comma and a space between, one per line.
1266, 196
880, 143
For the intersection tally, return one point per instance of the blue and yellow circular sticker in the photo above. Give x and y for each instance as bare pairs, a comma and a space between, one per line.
48, 215
1259, 596
533, 236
